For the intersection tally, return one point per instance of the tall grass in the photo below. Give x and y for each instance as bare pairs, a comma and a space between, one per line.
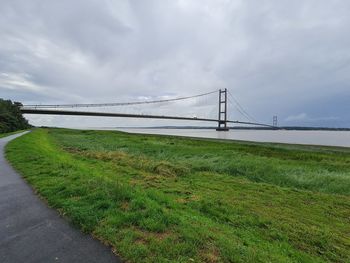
323, 169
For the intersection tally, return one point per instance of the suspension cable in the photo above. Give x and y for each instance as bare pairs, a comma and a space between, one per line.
239, 110
242, 110
115, 103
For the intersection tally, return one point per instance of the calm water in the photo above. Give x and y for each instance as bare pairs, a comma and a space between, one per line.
329, 138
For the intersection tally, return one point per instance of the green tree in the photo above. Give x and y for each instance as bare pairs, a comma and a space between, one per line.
11, 118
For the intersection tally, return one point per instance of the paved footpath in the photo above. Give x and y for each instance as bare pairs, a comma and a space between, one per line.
32, 232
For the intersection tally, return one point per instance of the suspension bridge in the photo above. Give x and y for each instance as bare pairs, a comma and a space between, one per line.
224, 96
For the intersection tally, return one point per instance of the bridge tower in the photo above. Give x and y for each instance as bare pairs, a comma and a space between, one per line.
274, 121
222, 120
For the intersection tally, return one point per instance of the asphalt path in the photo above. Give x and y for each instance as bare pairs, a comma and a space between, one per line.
32, 232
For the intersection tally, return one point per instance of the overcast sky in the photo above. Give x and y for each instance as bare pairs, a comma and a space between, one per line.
277, 57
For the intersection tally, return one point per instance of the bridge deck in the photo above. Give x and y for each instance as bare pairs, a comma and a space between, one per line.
127, 115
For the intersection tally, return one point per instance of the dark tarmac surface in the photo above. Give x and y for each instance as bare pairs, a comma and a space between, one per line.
32, 232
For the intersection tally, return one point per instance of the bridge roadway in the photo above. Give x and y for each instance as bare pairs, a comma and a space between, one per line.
127, 115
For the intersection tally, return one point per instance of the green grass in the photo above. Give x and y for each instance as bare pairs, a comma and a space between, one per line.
168, 199
2, 135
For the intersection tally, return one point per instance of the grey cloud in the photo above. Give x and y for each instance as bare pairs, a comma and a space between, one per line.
276, 57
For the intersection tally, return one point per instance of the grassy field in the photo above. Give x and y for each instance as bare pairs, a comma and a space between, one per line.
168, 199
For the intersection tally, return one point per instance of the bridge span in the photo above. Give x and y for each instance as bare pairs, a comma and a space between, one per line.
127, 115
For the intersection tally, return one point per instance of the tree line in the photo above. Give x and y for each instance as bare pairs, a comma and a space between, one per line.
11, 118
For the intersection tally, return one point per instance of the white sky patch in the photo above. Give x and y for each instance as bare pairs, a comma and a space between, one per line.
20, 82
298, 117
305, 117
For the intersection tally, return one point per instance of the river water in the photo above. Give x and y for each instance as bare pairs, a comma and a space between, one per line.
327, 138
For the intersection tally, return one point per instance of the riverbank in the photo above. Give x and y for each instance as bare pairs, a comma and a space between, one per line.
317, 138
158, 198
